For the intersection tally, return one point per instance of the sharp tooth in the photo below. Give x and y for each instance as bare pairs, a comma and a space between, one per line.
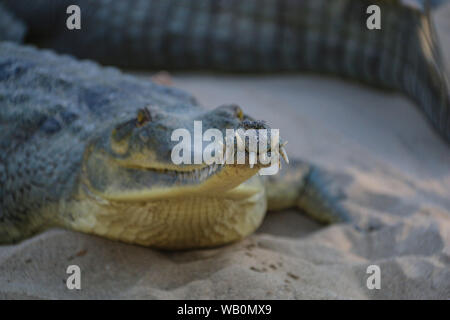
239, 142
284, 154
252, 158
283, 144
279, 164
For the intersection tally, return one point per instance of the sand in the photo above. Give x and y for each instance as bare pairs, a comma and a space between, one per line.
396, 174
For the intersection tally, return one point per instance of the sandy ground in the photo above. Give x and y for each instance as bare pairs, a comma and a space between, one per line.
397, 182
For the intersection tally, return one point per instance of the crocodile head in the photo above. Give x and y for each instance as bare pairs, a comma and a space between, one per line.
132, 190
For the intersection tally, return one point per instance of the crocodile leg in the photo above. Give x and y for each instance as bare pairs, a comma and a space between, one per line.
315, 191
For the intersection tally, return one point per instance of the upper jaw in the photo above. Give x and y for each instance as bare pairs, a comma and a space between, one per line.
143, 175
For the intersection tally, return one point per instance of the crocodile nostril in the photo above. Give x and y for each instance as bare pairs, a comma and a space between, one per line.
254, 124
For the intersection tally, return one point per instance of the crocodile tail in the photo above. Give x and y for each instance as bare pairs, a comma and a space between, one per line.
332, 36
403, 55
424, 76
326, 36
407, 56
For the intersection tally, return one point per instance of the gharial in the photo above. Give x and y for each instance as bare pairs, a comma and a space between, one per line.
88, 148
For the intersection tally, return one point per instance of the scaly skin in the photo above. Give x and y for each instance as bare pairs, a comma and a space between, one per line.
74, 154
328, 36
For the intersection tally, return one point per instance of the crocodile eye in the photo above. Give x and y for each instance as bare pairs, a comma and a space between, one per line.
143, 116
120, 135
